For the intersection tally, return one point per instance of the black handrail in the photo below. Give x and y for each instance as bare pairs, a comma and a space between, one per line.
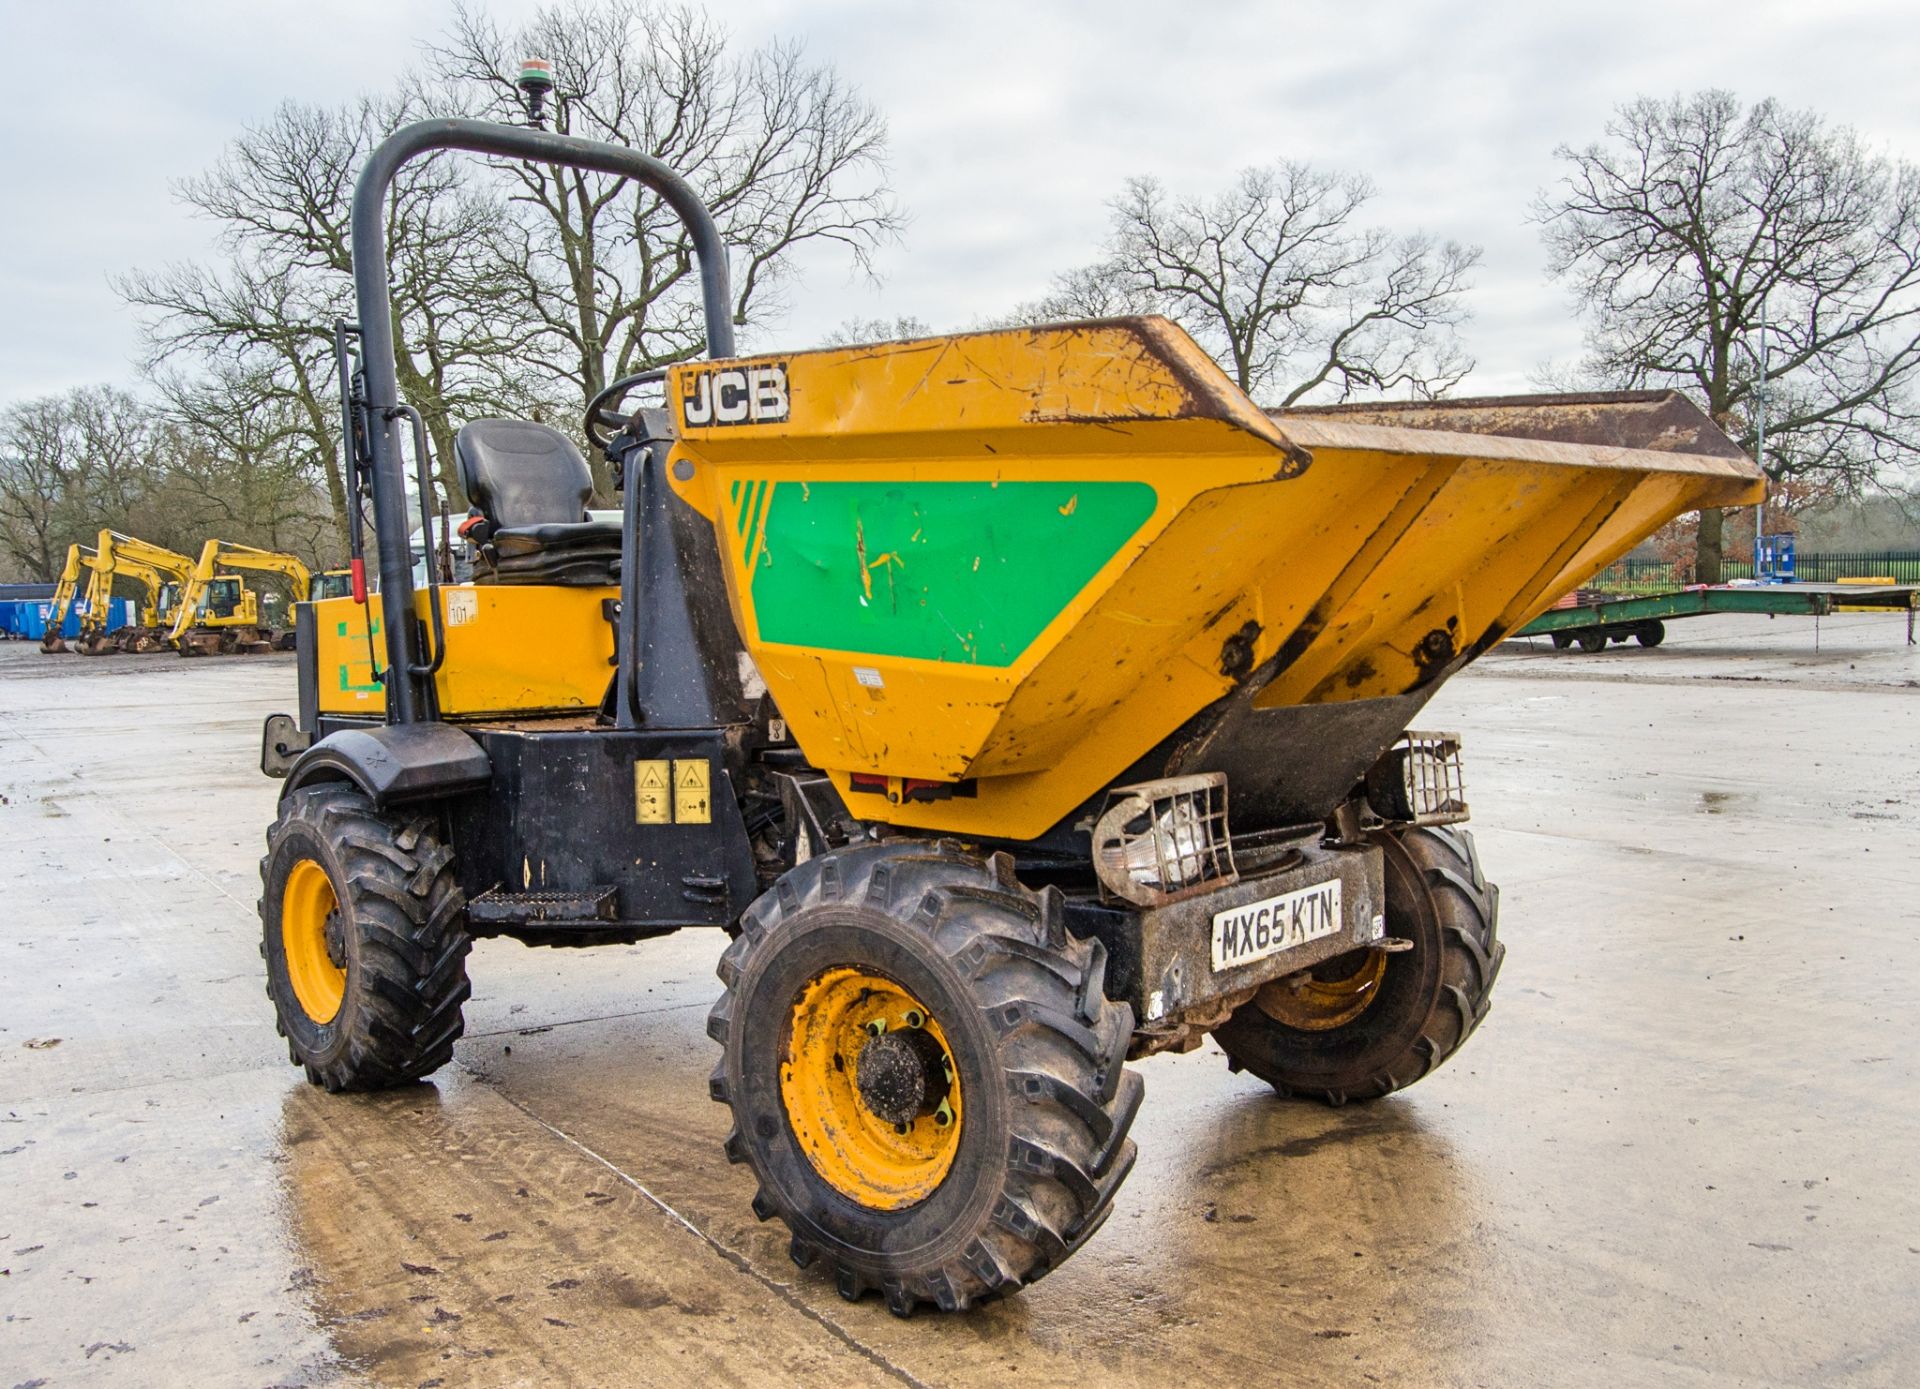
404, 704
423, 493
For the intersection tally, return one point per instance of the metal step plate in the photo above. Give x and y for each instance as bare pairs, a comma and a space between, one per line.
496, 907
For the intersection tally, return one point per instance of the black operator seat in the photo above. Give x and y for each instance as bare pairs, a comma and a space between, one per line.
530, 487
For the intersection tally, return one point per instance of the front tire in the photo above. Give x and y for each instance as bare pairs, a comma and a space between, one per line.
1010, 1136
1369, 1023
364, 940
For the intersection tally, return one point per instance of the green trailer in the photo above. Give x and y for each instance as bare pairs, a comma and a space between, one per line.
1643, 618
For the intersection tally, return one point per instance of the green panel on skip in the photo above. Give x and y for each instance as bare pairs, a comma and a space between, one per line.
967, 572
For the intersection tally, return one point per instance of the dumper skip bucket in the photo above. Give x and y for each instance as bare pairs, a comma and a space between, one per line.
983, 576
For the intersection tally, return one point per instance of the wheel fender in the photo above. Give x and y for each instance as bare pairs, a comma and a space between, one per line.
394, 762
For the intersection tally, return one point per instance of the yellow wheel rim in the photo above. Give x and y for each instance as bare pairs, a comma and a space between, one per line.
1316, 1004
305, 904
882, 1164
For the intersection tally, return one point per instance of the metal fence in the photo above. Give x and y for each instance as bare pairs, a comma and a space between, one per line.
1902, 566
1810, 567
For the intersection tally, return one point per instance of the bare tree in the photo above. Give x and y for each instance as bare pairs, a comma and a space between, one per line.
40, 483
1693, 219
267, 325
517, 291
853, 332
281, 196
70, 464
1278, 281
215, 454
784, 152
237, 467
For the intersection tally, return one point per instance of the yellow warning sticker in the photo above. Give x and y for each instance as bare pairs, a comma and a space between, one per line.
692, 792
652, 793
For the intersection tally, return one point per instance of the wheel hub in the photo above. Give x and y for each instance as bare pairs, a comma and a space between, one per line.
901, 1076
336, 933
868, 1082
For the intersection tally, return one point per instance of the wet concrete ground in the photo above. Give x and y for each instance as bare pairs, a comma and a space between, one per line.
1679, 1152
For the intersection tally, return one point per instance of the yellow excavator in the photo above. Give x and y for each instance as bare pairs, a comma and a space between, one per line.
220, 615
159, 592
79, 559
161, 573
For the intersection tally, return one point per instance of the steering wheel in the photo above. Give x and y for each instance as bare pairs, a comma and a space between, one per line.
600, 412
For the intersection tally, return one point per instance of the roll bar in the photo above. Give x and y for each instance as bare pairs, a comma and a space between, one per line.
384, 413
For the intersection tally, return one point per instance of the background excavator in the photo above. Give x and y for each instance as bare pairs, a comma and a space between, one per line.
220, 615
79, 560
161, 573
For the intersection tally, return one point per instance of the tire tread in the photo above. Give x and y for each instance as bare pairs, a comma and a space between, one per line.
412, 985
1468, 906
1061, 1048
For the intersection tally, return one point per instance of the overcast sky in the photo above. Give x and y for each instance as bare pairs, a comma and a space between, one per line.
1012, 125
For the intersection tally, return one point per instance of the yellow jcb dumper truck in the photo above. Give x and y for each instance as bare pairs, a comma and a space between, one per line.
220, 615
1015, 705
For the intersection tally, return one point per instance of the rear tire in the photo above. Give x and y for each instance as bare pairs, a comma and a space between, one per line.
1041, 1098
364, 940
1561, 641
1591, 642
1424, 1004
1650, 633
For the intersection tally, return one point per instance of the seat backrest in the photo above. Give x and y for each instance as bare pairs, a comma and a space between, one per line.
522, 474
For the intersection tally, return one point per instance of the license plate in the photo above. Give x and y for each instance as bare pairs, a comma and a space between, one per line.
1242, 935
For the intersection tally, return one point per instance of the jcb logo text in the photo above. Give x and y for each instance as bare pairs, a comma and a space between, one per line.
736, 395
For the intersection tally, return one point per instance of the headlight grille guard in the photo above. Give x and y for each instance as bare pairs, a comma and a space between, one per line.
1159, 842
1419, 781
